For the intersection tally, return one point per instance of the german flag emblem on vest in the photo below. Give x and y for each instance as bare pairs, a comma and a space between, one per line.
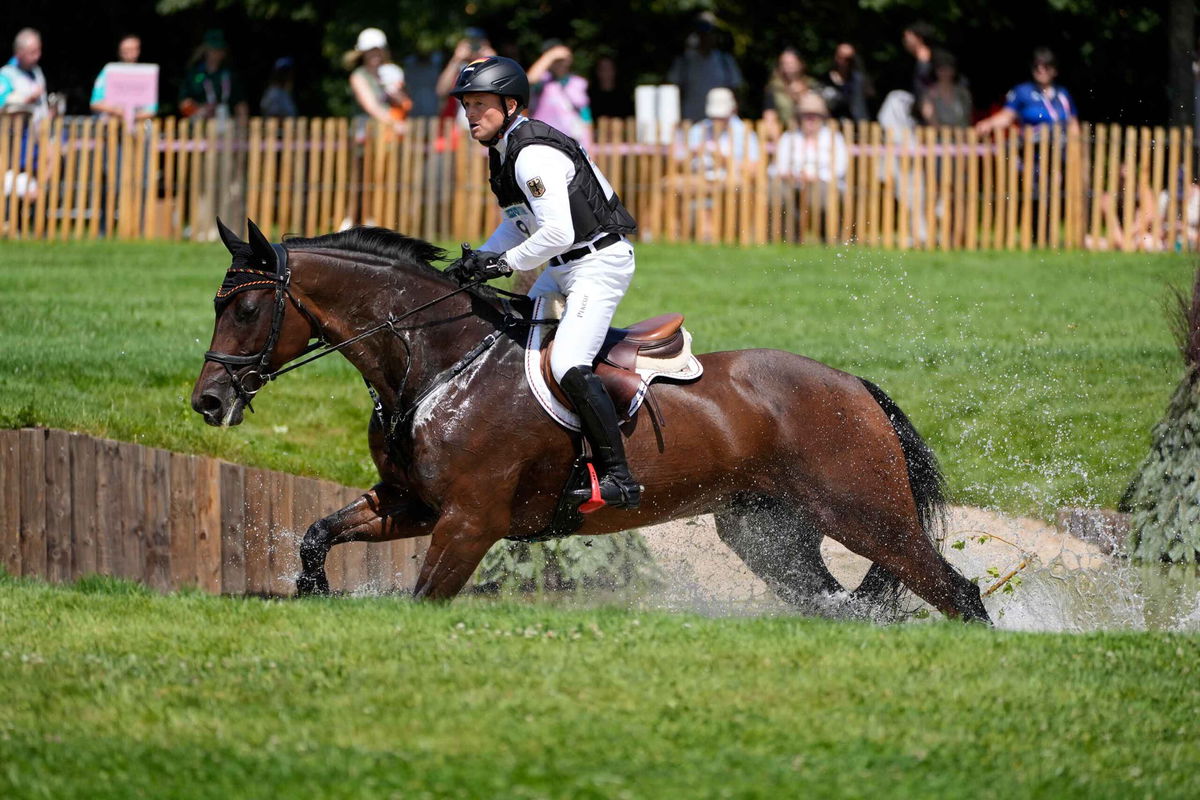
536, 187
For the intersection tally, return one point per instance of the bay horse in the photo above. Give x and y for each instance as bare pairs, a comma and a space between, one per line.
781, 448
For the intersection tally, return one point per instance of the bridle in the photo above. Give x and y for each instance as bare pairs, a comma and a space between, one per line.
250, 382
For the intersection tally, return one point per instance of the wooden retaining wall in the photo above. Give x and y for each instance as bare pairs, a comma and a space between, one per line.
72, 505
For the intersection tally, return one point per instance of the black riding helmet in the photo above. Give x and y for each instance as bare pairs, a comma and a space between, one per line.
495, 75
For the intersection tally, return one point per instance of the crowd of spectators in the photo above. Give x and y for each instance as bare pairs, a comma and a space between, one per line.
382, 89
797, 105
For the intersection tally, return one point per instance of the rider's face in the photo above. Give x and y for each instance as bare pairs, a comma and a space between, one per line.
484, 113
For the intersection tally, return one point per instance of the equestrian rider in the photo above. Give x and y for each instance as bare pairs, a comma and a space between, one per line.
557, 208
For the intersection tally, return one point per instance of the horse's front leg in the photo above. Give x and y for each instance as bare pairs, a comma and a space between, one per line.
386, 512
460, 540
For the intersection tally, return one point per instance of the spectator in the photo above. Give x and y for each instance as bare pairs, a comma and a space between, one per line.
377, 83
609, 98
1139, 234
702, 68
277, 100
22, 84
847, 86
947, 101
558, 97
421, 72
720, 147
1037, 102
918, 41
472, 46
814, 154
721, 141
210, 89
129, 50
787, 81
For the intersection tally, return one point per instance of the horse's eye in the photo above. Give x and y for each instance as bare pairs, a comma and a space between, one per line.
245, 310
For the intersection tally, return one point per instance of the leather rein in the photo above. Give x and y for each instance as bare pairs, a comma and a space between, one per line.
260, 363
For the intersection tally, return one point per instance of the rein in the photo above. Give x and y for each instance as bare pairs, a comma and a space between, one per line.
260, 362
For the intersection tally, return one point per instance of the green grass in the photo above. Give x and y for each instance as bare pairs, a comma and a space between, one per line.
1036, 377
109, 690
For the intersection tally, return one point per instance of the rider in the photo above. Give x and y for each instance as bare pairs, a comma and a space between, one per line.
557, 208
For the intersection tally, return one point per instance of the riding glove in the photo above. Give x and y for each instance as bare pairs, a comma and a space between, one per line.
481, 264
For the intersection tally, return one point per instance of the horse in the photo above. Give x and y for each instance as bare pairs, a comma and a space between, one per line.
782, 449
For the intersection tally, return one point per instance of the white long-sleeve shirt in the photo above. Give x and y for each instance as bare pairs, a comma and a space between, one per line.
530, 235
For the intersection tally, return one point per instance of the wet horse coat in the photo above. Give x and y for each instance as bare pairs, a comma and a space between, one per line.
783, 449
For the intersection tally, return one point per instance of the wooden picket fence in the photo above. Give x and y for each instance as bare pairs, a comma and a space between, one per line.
935, 188
72, 505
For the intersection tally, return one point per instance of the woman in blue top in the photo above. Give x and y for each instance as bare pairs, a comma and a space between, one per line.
1038, 102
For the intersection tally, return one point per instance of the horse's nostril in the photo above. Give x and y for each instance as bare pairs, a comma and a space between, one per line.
207, 404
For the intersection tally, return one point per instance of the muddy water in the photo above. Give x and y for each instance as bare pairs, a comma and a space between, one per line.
1057, 583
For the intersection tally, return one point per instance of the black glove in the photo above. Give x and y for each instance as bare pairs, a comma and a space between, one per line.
456, 271
483, 265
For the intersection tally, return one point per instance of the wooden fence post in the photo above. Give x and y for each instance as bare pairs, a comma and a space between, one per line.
58, 506
157, 488
283, 541
256, 517
209, 565
10, 501
85, 506
108, 505
233, 531
33, 501
182, 521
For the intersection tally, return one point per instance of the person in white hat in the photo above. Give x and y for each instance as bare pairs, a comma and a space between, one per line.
721, 141
717, 145
809, 158
812, 153
377, 83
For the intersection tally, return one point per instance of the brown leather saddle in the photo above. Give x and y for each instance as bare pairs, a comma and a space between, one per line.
623, 350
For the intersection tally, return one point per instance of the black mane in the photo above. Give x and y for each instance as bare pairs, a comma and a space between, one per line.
379, 242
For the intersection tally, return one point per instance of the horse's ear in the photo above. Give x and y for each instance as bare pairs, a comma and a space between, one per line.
259, 245
231, 240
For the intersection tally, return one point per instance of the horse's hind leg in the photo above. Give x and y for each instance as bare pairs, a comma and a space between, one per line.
901, 547
382, 514
779, 546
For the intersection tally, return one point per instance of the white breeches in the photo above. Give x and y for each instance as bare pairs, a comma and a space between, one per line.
593, 286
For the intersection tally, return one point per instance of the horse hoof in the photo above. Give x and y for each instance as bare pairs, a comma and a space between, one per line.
311, 585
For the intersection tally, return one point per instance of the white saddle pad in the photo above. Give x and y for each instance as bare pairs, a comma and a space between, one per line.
684, 367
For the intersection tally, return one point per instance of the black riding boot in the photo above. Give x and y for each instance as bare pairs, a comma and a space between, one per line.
599, 422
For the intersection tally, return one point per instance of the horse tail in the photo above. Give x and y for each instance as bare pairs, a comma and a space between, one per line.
929, 493
924, 475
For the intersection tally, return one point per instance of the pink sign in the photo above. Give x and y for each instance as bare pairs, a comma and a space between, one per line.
131, 87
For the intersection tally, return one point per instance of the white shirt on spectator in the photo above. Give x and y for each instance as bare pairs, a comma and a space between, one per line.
820, 158
736, 142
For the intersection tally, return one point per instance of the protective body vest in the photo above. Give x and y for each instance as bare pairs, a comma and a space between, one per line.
592, 213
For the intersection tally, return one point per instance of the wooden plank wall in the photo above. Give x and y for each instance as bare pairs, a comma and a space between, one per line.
1100, 187
72, 505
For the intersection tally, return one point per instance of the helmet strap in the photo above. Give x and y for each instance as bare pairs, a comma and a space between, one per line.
508, 121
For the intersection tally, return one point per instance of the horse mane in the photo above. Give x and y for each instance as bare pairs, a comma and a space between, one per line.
379, 242
384, 244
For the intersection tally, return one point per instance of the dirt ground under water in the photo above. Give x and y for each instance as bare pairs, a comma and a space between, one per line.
704, 575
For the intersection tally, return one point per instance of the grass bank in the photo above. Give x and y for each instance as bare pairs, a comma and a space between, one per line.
135, 694
1036, 377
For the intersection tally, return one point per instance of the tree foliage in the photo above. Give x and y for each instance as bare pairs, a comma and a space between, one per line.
1164, 497
1112, 55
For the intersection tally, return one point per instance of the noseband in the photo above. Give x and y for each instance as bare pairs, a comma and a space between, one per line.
250, 382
